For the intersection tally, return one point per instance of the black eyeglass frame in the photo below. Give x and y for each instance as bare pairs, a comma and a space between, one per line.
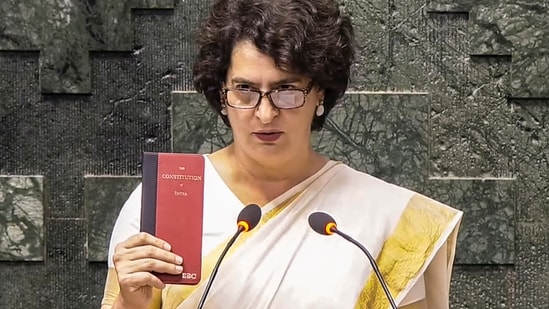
306, 91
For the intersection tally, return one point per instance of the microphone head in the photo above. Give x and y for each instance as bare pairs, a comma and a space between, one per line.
249, 217
322, 223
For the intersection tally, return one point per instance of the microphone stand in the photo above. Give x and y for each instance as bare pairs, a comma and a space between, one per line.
216, 267
372, 262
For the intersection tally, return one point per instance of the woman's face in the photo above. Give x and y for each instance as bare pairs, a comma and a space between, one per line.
266, 134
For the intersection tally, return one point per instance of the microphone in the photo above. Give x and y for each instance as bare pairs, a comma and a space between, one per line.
248, 218
324, 224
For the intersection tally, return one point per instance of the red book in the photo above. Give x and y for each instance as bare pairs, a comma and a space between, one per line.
172, 208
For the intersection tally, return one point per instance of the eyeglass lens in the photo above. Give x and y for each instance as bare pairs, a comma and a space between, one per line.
281, 99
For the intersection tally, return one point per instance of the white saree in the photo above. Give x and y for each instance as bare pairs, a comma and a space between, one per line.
282, 263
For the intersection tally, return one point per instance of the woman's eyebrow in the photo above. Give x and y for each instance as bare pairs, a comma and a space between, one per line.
286, 80
241, 80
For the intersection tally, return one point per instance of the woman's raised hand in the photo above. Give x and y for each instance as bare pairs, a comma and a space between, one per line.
134, 260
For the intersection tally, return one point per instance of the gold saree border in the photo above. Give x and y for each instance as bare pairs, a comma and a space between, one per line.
403, 254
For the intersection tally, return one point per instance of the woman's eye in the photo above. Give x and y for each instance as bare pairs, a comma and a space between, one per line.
282, 87
243, 87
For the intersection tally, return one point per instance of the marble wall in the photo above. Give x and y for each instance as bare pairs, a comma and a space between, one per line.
450, 98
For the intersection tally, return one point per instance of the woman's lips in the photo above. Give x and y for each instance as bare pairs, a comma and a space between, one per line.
268, 137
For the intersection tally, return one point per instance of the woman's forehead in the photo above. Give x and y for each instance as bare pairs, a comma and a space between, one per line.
249, 64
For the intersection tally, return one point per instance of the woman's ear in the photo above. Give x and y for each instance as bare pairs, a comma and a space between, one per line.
320, 92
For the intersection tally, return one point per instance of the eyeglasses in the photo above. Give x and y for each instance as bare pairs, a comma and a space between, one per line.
280, 98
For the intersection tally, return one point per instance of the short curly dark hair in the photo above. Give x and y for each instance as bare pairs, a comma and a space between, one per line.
309, 37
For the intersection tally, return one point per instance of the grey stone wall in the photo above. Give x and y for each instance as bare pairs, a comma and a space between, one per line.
450, 98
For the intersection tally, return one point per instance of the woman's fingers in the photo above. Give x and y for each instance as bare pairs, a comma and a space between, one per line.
142, 239
136, 261
150, 251
150, 265
135, 281
141, 255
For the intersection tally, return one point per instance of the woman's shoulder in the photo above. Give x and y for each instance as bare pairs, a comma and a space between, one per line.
372, 187
356, 179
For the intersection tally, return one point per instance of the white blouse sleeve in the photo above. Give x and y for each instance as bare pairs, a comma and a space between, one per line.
127, 223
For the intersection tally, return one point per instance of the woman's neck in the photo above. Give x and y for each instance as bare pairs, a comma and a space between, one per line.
253, 182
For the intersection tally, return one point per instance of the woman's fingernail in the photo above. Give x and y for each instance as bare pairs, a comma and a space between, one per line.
167, 247
179, 268
178, 260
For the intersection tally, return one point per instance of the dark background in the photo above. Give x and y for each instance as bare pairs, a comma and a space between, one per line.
449, 98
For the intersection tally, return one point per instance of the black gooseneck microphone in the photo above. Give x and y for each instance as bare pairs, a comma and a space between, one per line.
324, 224
248, 218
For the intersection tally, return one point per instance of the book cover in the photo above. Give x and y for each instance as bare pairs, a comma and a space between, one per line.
172, 208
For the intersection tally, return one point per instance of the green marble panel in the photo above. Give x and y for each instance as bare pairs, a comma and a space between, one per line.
483, 287
384, 135
68, 282
18, 292
19, 91
369, 22
399, 47
532, 134
514, 28
413, 57
195, 127
487, 232
395, 51
65, 32
532, 289
472, 129
21, 218
63, 280
517, 29
532, 123
104, 196
470, 121
453, 6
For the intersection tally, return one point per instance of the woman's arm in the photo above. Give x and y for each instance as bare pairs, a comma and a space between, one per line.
112, 289
131, 258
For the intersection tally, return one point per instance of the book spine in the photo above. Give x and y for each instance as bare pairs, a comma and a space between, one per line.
149, 190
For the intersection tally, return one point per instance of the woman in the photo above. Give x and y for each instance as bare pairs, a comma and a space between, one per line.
273, 70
